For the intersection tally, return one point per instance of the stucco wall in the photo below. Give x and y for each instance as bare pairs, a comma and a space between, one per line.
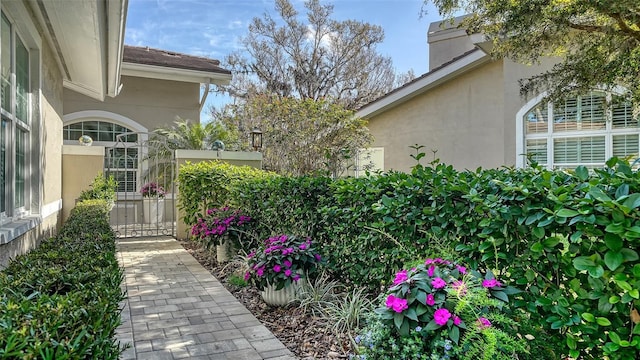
150, 102
80, 165
462, 119
51, 108
46, 161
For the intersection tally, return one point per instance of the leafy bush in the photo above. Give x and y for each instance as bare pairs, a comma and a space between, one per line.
102, 188
574, 235
207, 185
61, 300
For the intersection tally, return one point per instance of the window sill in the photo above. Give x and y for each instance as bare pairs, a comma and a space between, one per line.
14, 229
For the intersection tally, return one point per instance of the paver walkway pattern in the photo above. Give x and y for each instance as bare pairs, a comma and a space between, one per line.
177, 310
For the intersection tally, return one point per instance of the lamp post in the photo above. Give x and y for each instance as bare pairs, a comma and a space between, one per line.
256, 139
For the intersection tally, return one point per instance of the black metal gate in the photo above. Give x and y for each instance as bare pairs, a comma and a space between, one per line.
144, 167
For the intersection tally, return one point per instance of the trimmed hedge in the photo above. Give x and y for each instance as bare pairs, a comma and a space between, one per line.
61, 300
569, 239
207, 185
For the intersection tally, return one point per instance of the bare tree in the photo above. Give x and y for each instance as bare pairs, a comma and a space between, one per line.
318, 59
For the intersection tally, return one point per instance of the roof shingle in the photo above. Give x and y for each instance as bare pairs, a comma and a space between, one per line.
164, 58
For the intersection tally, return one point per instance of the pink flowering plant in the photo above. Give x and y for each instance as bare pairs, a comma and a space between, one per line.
152, 190
281, 260
220, 225
440, 301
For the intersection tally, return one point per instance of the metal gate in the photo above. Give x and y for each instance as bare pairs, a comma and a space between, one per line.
144, 166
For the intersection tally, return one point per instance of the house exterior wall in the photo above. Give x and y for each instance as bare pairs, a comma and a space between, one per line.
463, 119
150, 102
46, 159
446, 45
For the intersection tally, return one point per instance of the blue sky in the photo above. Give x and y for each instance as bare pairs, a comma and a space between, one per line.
212, 28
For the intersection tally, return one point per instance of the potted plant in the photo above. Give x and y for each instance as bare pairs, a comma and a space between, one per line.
277, 265
152, 202
222, 229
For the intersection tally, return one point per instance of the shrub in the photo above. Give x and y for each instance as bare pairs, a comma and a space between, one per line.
281, 260
207, 185
101, 188
61, 300
441, 302
220, 225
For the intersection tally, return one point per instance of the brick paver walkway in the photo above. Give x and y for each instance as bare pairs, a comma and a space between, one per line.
177, 310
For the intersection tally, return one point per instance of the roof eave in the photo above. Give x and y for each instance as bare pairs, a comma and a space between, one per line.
422, 85
175, 74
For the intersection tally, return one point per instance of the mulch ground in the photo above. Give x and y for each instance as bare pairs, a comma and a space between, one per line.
308, 337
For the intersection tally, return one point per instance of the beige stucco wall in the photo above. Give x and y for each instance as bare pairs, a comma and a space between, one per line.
80, 165
446, 45
462, 119
149, 102
46, 162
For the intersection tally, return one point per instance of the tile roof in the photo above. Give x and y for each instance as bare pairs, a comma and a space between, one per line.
170, 59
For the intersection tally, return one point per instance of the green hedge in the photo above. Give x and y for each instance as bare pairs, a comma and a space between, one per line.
207, 184
61, 300
568, 238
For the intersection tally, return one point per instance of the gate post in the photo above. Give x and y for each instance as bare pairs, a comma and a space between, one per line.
80, 165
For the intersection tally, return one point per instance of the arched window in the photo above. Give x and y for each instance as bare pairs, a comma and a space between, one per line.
583, 130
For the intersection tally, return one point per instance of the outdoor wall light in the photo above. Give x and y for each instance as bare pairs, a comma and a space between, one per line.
256, 139
85, 140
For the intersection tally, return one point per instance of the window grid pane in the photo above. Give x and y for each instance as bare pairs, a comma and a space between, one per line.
5, 59
622, 114
20, 168
565, 116
592, 112
22, 82
537, 119
625, 145
537, 151
579, 150
98, 131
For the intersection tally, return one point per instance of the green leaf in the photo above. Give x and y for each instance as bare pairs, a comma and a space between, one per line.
596, 272
571, 342
583, 263
538, 232
632, 202
582, 173
431, 326
500, 295
454, 334
613, 241
614, 337
599, 195
588, 317
404, 329
411, 314
614, 299
603, 321
613, 259
629, 255
397, 319
567, 213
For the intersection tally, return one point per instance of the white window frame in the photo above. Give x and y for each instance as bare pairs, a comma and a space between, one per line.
550, 135
24, 30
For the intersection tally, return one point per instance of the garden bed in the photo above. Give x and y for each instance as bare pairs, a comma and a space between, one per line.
308, 337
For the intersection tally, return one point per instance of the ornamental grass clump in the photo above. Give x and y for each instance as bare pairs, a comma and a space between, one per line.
220, 225
441, 310
282, 260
